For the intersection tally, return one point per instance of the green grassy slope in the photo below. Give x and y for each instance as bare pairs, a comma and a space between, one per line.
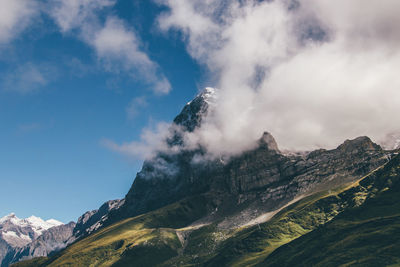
251, 246
356, 223
38, 262
368, 235
145, 240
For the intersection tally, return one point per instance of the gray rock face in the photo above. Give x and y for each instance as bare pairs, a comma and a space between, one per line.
4, 249
92, 220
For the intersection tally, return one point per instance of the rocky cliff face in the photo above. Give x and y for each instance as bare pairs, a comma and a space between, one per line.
247, 185
90, 221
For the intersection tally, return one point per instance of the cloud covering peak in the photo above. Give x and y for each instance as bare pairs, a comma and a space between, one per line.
312, 72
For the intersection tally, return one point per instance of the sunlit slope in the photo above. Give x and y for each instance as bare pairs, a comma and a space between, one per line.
144, 240
253, 245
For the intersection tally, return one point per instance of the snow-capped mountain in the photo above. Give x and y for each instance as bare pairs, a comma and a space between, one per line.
52, 240
19, 232
16, 233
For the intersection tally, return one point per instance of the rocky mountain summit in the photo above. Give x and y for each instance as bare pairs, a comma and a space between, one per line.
244, 187
30, 237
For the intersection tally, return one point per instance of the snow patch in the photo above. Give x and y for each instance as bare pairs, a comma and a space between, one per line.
209, 94
16, 239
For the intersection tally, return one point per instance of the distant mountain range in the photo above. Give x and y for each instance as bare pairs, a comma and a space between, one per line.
30, 237
263, 207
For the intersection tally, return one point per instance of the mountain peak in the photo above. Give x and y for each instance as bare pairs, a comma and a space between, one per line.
267, 140
209, 93
40, 223
360, 143
194, 111
36, 224
9, 217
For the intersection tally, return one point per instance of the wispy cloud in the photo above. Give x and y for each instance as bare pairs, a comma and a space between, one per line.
28, 77
133, 109
117, 45
151, 140
73, 14
15, 16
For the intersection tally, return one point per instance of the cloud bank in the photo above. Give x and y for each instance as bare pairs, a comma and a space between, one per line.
311, 72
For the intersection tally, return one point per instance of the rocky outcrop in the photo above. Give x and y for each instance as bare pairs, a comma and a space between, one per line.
90, 221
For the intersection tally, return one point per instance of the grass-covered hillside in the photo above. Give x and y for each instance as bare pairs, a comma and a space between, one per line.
357, 224
367, 235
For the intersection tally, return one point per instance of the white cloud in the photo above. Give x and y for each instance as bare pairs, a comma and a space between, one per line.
312, 74
117, 45
15, 16
71, 14
151, 140
28, 77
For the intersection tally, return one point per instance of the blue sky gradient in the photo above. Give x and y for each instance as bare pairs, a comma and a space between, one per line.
52, 161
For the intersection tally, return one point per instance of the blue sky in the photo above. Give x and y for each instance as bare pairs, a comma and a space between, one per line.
59, 100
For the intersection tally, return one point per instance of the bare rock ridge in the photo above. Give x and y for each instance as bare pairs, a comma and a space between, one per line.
90, 221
